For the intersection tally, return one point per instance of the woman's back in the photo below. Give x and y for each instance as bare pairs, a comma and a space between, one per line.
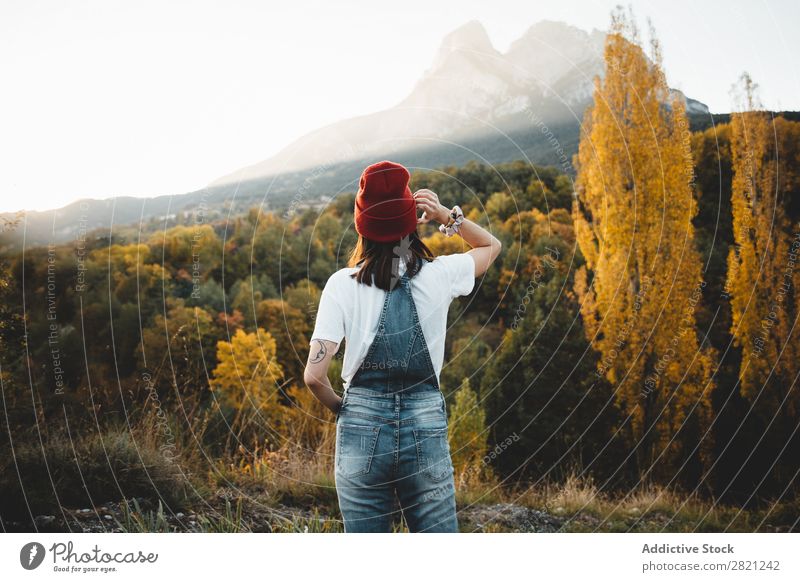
391, 421
349, 309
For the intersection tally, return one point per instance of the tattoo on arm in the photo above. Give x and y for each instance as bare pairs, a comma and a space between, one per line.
318, 355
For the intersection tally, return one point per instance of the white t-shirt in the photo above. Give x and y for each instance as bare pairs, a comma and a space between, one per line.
349, 309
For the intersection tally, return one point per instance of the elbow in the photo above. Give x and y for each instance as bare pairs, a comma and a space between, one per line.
311, 380
497, 247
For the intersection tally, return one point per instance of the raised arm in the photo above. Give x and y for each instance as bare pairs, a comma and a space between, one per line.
485, 246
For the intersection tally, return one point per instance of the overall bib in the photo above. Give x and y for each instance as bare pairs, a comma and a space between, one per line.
391, 431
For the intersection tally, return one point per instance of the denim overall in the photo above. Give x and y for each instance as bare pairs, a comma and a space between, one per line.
391, 431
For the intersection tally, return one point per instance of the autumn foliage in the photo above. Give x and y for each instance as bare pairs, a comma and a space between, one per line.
639, 326
643, 282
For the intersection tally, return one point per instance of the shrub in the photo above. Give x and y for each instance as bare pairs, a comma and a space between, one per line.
84, 471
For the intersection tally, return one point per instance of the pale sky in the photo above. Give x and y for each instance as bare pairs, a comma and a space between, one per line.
104, 98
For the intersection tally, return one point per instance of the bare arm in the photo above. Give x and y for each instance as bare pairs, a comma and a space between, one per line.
316, 373
485, 246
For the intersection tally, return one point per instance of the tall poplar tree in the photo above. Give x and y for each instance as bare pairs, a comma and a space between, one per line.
763, 276
633, 215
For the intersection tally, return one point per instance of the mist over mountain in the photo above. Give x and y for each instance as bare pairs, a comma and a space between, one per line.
470, 90
472, 103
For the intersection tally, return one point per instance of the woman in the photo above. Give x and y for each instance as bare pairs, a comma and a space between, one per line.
391, 306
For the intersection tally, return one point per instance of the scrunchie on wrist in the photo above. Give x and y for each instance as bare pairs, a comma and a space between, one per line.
455, 218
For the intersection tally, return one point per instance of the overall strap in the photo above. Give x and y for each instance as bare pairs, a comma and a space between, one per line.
398, 358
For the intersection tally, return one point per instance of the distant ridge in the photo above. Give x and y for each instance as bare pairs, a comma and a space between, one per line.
472, 103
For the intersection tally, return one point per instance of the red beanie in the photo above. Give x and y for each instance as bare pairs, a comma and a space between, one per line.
385, 208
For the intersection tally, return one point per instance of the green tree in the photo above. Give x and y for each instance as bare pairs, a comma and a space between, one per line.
548, 411
177, 347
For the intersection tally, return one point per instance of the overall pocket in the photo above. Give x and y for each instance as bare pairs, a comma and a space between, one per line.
355, 447
433, 453
341, 407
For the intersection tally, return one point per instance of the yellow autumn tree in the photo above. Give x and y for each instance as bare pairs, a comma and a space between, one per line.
468, 435
763, 273
247, 378
633, 218
290, 329
443, 245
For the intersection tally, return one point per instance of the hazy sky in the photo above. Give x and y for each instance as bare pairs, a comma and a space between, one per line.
142, 98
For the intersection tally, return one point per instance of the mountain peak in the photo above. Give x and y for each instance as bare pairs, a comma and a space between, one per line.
471, 35
470, 89
549, 49
550, 29
467, 38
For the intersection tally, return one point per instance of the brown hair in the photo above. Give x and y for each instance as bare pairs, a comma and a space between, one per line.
379, 261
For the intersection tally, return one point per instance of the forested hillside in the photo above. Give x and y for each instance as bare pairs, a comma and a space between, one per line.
636, 339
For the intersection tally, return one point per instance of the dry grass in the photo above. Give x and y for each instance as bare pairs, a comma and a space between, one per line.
88, 470
160, 460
